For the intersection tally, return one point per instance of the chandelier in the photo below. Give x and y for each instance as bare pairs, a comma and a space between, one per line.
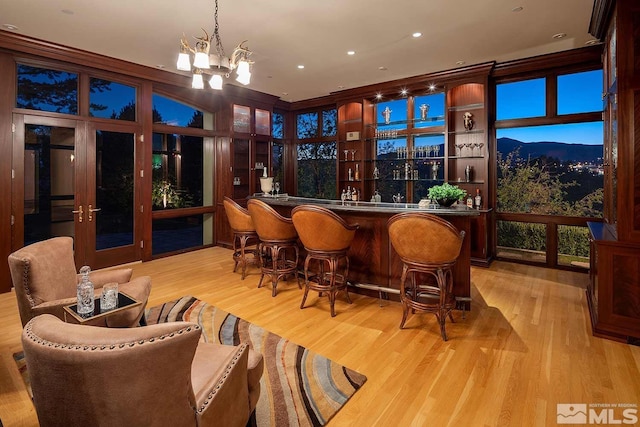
215, 63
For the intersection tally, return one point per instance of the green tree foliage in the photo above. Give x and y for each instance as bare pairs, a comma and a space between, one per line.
528, 186
540, 187
317, 170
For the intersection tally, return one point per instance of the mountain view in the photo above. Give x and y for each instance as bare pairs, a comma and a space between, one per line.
562, 151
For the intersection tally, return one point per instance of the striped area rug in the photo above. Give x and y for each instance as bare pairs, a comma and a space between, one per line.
298, 387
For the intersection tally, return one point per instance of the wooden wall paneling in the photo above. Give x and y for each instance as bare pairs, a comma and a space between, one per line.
7, 95
145, 182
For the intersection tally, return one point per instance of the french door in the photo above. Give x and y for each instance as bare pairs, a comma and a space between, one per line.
77, 178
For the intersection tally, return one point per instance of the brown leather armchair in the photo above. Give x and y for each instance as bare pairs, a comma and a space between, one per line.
45, 278
158, 375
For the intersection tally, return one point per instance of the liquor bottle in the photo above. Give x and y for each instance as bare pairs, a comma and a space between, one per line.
85, 293
478, 199
354, 195
350, 175
357, 172
470, 201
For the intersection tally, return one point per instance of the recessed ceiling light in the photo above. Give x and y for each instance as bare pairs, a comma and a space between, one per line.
517, 9
285, 93
301, 66
404, 92
432, 87
417, 34
382, 68
459, 62
559, 36
592, 41
351, 52
10, 27
378, 96
67, 11
340, 87
160, 65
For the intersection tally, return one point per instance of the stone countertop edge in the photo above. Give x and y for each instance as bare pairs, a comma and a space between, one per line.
382, 207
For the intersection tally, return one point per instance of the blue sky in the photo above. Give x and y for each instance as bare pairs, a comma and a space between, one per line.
577, 93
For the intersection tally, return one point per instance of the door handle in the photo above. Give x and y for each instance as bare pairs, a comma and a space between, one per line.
79, 212
91, 210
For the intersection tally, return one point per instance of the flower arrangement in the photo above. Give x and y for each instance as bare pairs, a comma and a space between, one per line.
446, 194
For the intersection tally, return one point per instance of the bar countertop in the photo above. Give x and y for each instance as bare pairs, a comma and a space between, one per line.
372, 207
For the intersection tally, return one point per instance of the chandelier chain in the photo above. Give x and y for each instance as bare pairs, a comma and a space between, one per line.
216, 33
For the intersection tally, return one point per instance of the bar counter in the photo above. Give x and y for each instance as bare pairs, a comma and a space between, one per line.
375, 266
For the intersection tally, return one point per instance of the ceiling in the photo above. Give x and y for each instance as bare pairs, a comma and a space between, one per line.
286, 33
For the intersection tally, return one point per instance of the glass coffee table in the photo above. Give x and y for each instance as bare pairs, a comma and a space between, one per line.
98, 316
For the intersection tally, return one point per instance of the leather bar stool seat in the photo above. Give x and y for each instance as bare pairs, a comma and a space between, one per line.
244, 234
326, 238
278, 247
428, 247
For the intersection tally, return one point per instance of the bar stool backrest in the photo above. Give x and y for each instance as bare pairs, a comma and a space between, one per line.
422, 238
238, 217
320, 229
270, 225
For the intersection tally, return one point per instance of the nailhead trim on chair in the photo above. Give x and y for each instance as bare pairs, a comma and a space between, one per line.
25, 281
33, 337
219, 384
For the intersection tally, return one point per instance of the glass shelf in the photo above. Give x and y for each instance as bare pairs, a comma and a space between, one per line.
404, 122
477, 106
412, 159
452, 182
465, 157
466, 132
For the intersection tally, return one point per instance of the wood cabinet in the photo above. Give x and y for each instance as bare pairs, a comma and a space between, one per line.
404, 146
251, 140
614, 287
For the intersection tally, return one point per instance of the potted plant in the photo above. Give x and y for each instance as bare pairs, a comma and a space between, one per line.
446, 194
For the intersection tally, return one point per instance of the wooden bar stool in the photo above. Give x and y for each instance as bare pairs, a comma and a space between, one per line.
244, 233
430, 246
326, 238
278, 247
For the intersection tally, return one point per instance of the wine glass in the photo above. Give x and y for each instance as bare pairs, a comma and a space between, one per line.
276, 185
346, 153
353, 155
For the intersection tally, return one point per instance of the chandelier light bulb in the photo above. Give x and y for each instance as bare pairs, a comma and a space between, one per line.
216, 82
197, 82
244, 78
201, 60
243, 68
184, 62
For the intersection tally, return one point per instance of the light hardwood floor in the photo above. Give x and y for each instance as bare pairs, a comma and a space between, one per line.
525, 346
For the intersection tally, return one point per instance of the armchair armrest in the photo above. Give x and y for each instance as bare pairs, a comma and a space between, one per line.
219, 377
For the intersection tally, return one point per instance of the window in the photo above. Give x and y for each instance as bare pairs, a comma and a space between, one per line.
307, 125
177, 171
277, 149
47, 90
428, 110
329, 122
317, 170
183, 170
110, 100
316, 153
521, 99
410, 146
169, 112
552, 170
580, 92
277, 125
